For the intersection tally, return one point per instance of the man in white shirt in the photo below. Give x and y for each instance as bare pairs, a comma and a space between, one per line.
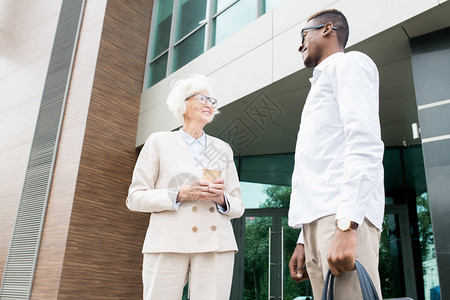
337, 185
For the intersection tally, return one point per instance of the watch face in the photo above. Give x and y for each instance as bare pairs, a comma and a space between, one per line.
343, 224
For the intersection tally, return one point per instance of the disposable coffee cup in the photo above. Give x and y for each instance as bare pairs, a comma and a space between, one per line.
211, 175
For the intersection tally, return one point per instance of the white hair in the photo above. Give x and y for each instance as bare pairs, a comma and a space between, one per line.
183, 88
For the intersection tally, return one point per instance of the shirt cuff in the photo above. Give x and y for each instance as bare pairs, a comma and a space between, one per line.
351, 211
227, 206
175, 204
300, 238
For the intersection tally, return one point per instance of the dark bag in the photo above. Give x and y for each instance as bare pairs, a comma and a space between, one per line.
367, 288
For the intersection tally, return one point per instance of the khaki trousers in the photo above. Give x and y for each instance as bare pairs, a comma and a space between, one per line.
210, 274
318, 236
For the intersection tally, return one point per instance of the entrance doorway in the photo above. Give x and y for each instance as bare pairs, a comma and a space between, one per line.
408, 265
266, 244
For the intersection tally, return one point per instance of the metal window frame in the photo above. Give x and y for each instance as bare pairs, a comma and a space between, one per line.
173, 25
149, 60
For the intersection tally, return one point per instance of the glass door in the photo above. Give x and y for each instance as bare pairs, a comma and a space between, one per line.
396, 264
268, 243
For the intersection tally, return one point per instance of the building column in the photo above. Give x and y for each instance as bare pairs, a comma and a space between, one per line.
430, 56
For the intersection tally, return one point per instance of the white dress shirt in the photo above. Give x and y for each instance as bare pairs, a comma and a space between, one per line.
339, 152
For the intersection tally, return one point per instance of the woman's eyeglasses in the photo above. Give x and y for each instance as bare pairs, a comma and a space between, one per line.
202, 99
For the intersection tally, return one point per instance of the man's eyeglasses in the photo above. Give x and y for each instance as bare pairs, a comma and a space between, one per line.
313, 27
202, 99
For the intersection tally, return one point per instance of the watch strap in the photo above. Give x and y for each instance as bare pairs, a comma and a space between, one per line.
353, 225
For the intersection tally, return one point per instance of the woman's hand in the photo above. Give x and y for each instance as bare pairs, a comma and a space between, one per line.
189, 192
213, 191
204, 191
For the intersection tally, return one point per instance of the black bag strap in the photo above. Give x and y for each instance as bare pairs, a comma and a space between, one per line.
367, 288
326, 287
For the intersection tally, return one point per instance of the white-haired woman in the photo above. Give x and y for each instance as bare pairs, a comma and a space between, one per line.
187, 180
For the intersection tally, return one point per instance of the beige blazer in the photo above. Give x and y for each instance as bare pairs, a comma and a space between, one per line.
165, 164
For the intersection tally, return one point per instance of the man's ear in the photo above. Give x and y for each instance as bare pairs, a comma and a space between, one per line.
327, 29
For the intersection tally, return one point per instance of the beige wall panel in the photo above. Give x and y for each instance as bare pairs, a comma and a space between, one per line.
17, 126
286, 58
26, 84
26, 39
383, 15
11, 178
28, 29
293, 13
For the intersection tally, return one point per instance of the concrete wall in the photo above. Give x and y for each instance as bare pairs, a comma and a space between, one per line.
431, 65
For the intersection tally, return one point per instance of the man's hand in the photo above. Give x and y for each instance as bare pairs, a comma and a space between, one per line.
342, 252
296, 264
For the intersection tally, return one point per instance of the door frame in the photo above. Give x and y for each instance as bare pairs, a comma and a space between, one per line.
406, 246
276, 261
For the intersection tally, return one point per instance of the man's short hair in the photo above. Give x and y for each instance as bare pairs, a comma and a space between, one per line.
338, 19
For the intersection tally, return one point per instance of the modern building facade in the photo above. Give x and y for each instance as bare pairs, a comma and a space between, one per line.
83, 84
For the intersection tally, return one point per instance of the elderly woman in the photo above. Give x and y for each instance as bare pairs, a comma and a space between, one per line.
187, 180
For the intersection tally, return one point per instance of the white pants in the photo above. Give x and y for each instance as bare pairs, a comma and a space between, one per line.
318, 236
210, 274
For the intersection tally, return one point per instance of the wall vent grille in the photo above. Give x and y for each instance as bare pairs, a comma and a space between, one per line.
23, 251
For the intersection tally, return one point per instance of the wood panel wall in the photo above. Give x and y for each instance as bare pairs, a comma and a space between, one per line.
103, 251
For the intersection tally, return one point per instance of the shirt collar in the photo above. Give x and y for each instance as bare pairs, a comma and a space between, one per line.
324, 64
190, 139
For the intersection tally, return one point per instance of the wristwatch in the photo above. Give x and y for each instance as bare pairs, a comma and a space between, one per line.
345, 224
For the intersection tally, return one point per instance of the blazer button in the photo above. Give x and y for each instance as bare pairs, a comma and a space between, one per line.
213, 228
194, 229
194, 208
212, 209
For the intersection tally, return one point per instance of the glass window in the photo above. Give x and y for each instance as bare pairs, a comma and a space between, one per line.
191, 14
271, 4
234, 18
221, 4
189, 49
253, 194
162, 31
158, 70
